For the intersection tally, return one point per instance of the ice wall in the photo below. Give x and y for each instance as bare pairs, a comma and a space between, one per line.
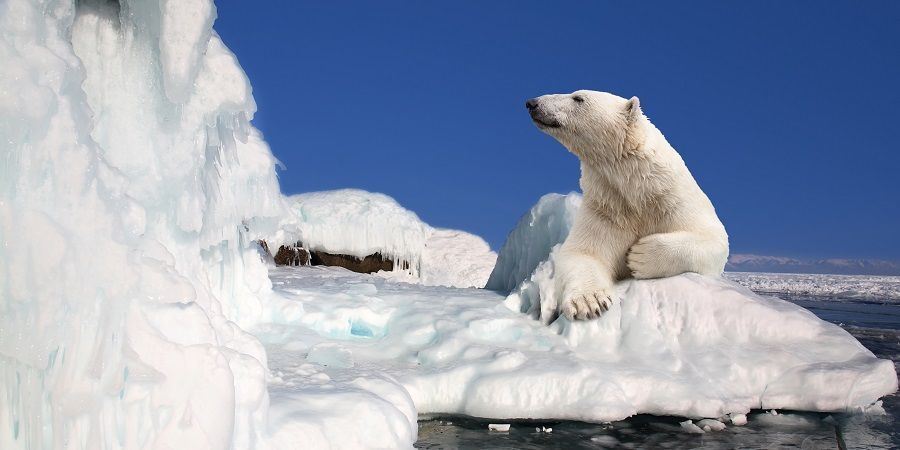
131, 189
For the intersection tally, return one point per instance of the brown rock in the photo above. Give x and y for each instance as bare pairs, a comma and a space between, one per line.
369, 264
290, 255
296, 255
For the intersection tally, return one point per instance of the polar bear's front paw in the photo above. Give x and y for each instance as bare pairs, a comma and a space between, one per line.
652, 257
586, 306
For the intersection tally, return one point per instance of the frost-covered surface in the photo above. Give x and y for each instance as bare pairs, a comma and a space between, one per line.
686, 346
131, 190
856, 287
360, 223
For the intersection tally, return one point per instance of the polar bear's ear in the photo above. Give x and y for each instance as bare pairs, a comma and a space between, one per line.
633, 109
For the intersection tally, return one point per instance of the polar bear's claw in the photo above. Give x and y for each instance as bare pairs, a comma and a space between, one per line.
586, 306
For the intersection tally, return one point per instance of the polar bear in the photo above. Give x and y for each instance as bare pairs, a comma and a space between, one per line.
642, 215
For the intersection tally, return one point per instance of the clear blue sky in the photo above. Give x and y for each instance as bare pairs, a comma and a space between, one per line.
787, 113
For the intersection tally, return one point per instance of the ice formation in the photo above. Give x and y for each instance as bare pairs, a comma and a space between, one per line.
871, 288
131, 191
359, 223
529, 243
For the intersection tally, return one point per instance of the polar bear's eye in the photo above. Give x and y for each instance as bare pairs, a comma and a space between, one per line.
578, 99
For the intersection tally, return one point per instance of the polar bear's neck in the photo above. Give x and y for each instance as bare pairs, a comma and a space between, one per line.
639, 182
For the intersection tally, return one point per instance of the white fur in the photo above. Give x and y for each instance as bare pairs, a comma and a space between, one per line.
643, 215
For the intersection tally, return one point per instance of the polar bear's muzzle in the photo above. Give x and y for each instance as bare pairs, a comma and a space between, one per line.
539, 115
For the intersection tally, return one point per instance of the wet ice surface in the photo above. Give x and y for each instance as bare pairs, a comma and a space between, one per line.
874, 322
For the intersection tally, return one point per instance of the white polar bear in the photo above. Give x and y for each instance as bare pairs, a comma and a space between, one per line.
643, 215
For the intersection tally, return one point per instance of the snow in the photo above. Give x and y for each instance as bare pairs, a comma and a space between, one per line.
702, 348
456, 258
688, 346
853, 287
360, 223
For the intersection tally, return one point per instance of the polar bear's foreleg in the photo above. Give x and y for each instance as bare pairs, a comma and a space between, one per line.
587, 267
667, 254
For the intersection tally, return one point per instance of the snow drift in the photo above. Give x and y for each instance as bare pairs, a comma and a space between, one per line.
131, 190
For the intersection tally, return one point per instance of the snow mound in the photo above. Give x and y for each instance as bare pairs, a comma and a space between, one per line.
456, 258
360, 223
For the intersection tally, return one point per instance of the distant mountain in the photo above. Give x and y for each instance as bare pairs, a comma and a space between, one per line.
780, 264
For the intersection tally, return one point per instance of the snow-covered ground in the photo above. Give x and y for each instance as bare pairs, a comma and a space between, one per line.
384, 350
350, 348
885, 289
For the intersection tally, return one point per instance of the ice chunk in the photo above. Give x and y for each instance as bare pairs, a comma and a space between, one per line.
529, 243
710, 425
502, 427
689, 426
738, 419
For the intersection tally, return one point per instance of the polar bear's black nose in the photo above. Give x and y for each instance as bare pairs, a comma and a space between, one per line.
531, 104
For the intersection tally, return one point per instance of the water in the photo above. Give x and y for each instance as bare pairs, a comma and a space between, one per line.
876, 324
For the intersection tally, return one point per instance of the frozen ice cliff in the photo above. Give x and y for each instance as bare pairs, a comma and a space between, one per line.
359, 223
132, 188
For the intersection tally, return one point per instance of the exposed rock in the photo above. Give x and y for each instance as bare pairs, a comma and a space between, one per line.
291, 255
297, 255
369, 264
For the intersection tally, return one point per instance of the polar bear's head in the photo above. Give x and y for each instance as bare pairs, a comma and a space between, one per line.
588, 123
